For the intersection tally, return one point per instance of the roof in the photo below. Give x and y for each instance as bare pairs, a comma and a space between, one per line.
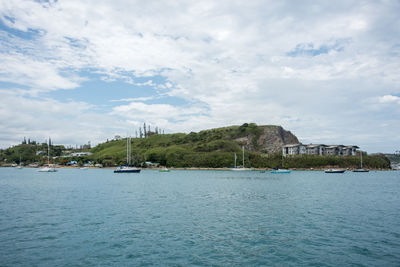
292, 145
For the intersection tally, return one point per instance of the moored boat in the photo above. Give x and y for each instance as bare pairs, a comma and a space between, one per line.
360, 170
48, 167
127, 168
334, 171
242, 168
281, 171
361, 165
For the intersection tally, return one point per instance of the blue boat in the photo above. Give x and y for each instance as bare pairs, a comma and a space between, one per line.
281, 171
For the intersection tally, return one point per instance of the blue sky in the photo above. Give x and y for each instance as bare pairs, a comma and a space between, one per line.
82, 71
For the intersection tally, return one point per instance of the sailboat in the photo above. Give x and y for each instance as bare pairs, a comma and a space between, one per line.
19, 165
48, 168
361, 165
127, 168
235, 168
281, 170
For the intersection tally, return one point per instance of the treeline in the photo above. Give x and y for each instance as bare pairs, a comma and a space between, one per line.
29, 152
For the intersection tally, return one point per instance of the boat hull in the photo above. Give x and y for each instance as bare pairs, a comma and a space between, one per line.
281, 171
334, 171
239, 169
360, 170
126, 171
46, 169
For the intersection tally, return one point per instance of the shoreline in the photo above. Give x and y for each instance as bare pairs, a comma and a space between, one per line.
204, 168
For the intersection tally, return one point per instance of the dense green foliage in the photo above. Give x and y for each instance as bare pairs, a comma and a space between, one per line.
215, 148
29, 153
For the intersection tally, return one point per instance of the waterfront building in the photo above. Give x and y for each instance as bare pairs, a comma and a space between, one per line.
319, 149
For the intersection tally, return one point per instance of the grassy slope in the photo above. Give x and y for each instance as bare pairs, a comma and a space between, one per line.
216, 148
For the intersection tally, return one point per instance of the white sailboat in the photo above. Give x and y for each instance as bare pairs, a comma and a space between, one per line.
19, 165
127, 168
242, 168
48, 168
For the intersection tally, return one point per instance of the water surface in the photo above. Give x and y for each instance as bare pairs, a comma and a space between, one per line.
204, 218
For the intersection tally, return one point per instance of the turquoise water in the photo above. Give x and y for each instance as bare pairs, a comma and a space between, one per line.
203, 218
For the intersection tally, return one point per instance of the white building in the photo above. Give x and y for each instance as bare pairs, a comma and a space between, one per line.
319, 149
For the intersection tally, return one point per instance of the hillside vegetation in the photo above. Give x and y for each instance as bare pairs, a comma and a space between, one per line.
214, 148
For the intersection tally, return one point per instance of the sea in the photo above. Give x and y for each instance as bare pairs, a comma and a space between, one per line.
94, 217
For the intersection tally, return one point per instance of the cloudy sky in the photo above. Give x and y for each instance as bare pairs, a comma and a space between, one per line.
82, 71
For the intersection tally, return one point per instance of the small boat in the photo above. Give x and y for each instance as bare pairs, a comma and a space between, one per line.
277, 170
48, 167
281, 171
19, 165
360, 170
361, 165
127, 168
235, 168
164, 170
334, 171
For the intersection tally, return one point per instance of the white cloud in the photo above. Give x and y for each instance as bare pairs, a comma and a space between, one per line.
389, 99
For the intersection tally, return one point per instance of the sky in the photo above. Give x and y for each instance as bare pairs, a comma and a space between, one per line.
79, 71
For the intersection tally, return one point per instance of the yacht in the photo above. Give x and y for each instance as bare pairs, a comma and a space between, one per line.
48, 167
235, 168
127, 168
334, 171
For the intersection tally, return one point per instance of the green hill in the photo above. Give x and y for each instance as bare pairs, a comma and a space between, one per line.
214, 148
209, 148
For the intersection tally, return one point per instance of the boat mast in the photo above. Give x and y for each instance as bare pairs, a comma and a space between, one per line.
235, 161
48, 153
243, 156
130, 150
361, 159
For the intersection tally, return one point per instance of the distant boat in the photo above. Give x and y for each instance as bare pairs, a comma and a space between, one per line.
19, 165
281, 171
127, 168
164, 170
48, 168
361, 165
235, 168
334, 171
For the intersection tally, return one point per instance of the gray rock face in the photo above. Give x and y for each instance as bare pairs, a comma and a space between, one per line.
270, 139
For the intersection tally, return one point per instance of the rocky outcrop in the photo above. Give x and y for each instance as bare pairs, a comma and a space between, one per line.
268, 139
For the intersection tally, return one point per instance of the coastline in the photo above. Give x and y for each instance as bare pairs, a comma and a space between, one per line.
201, 168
